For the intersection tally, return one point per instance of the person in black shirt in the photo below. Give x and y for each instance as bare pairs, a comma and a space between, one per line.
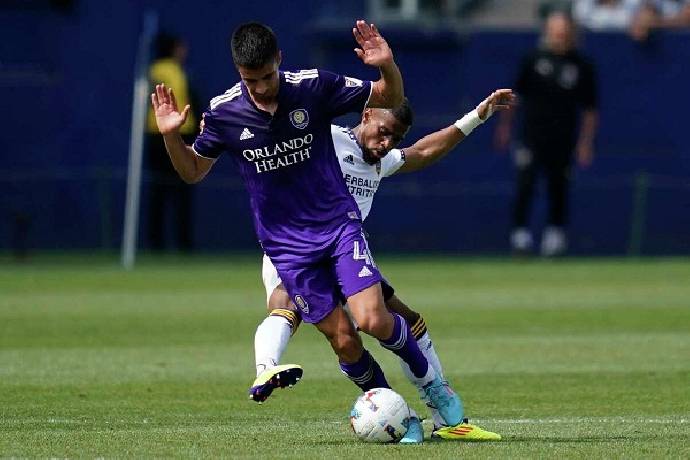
557, 91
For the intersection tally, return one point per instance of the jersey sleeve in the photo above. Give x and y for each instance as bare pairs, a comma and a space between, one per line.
208, 143
392, 162
344, 94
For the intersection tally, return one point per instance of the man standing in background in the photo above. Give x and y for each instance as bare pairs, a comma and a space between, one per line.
169, 195
555, 85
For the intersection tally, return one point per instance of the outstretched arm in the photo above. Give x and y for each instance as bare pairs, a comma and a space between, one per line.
388, 91
435, 146
190, 166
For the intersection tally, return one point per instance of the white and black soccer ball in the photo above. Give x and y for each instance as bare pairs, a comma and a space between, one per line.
380, 415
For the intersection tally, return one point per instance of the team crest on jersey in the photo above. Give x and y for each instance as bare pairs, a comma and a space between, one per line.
352, 82
301, 303
568, 77
299, 118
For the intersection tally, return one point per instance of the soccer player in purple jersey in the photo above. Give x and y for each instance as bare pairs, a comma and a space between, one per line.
276, 127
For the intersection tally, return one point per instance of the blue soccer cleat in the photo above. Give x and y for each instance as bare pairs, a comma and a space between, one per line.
440, 396
415, 432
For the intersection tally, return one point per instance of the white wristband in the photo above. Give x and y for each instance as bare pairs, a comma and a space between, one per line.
468, 122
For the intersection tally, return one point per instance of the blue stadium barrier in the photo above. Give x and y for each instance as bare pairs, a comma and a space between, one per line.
66, 93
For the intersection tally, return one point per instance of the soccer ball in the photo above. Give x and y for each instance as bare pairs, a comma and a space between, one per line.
380, 415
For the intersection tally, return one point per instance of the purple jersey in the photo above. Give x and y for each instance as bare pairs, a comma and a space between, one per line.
298, 196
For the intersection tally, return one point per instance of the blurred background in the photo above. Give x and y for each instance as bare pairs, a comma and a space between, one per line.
68, 71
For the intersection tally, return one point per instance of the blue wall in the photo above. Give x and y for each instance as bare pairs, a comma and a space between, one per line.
66, 86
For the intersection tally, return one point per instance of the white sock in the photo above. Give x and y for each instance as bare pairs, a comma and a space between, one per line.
429, 353
270, 341
417, 381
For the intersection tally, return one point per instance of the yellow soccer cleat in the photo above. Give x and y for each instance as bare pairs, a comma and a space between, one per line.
282, 376
465, 432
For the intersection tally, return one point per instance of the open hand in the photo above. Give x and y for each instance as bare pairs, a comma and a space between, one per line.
501, 99
373, 48
168, 117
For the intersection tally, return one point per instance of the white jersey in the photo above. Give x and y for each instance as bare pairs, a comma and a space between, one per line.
362, 181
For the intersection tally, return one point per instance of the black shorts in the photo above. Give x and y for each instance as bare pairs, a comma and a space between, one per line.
387, 289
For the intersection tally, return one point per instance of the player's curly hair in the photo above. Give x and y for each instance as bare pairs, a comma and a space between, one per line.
403, 113
253, 45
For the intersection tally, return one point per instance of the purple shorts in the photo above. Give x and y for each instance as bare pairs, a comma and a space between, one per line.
317, 283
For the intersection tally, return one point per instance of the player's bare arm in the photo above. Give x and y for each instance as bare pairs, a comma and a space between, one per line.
585, 143
435, 146
388, 91
190, 166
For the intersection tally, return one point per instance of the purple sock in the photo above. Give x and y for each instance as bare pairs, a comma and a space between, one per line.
403, 344
365, 373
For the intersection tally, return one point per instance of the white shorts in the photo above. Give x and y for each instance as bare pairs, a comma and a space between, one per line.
270, 277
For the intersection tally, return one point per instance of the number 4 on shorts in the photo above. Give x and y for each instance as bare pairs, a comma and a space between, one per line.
364, 254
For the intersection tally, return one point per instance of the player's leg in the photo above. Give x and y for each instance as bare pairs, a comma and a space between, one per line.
355, 361
521, 237
462, 432
358, 364
272, 337
360, 282
554, 241
312, 286
418, 329
274, 332
421, 335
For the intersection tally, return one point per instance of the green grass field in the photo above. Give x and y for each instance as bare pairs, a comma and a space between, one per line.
569, 358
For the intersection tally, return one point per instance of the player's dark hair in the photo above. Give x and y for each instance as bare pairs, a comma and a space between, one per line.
403, 113
253, 45
165, 45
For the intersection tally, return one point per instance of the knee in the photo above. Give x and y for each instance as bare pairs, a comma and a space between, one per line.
348, 347
379, 325
279, 298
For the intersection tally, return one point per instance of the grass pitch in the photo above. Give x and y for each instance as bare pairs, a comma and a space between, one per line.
569, 358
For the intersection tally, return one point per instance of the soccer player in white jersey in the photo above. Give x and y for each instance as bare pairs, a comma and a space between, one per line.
367, 154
